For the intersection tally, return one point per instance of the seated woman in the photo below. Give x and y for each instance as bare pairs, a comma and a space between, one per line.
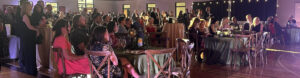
257, 26
74, 64
225, 23
150, 26
113, 28
100, 42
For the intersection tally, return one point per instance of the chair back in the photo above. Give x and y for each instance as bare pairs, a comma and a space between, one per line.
59, 55
184, 51
150, 54
106, 55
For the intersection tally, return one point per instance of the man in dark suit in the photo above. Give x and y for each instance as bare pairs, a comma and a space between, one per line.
154, 14
135, 15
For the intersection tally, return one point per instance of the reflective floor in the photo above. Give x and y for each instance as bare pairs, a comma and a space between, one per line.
283, 62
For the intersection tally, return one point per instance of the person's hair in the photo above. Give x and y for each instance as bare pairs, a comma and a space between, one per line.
203, 21
94, 16
248, 16
127, 19
40, 2
76, 20
97, 35
121, 19
233, 18
111, 26
104, 17
193, 21
223, 20
57, 27
25, 10
254, 21
36, 16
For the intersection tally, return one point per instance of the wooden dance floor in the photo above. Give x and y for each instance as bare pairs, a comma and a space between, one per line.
283, 63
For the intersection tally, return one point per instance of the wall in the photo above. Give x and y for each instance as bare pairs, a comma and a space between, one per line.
284, 11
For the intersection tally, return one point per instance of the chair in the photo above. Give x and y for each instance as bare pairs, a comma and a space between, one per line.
150, 54
106, 59
59, 54
184, 49
245, 49
259, 47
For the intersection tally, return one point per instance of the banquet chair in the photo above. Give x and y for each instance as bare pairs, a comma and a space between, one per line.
59, 54
244, 49
259, 47
268, 44
184, 49
150, 54
95, 71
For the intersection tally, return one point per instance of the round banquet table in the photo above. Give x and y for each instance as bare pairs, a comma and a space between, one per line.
139, 61
294, 34
218, 50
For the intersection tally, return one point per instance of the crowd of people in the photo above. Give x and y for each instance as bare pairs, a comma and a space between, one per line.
96, 32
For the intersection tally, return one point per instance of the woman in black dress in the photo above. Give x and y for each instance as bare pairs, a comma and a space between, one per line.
257, 26
27, 49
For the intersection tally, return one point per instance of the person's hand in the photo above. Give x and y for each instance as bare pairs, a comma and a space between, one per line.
37, 33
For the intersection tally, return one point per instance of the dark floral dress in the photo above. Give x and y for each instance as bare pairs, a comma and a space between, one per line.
115, 71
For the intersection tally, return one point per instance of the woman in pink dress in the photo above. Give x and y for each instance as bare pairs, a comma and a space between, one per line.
73, 64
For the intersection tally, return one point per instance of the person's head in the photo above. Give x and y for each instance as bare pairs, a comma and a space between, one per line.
202, 23
194, 23
43, 21
49, 8
97, 18
256, 21
122, 21
128, 22
95, 10
61, 27
38, 9
276, 19
9, 10
207, 9
233, 19
41, 3
151, 20
113, 27
85, 10
180, 13
249, 17
99, 34
26, 9
269, 18
78, 21
106, 18
225, 21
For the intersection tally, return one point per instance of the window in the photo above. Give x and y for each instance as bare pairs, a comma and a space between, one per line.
89, 4
126, 9
150, 6
54, 6
180, 6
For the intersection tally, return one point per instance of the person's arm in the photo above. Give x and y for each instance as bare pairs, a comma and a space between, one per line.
70, 56
261, 28
28, 24
114, 58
